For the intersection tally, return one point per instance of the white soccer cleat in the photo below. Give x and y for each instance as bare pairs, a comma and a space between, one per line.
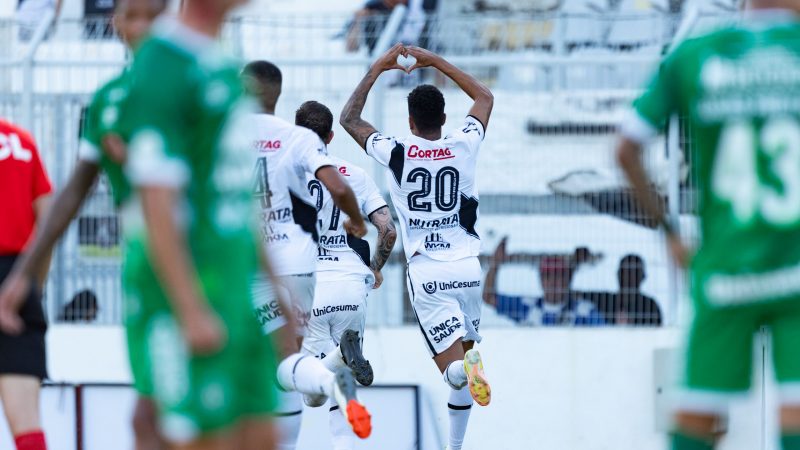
344, 392
476, 379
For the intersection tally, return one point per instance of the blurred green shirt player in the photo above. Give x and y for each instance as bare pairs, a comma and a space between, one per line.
193, 248
738, 88
101, 148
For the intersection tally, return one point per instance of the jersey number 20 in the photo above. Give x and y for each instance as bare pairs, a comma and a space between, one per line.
444, 186
736, 178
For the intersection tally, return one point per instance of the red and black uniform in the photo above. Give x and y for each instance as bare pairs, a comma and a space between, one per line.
22, 181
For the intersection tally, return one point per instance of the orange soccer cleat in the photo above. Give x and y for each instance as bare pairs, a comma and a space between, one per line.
356, 414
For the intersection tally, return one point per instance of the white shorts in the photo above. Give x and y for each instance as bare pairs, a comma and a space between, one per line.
446, 298
338, 306
298, 290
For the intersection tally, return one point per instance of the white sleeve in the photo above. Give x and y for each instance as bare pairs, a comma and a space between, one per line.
381, 147
369, 197
472, 132
150, 165
311, 151
88, 152
637, 128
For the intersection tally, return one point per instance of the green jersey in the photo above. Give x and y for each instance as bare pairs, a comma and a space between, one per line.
184, 127
185, 121
739, 90
102, 117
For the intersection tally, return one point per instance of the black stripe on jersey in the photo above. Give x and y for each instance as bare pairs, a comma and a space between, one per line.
334, 408
468, 215
483, 127
422, 330
360, 246
288, 414
459, 407
397, 161
304, 215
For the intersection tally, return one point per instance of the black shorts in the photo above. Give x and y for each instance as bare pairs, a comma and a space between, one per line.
24, 354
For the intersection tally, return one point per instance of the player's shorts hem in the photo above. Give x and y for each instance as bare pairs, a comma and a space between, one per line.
707, 401
145, 392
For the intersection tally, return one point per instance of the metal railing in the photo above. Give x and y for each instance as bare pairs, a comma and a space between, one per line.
547, 179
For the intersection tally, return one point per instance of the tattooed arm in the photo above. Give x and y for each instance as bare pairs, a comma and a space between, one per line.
350, 118
387, 235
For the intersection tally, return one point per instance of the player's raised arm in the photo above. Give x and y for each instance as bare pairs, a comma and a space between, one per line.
387, 236
477, 91
350, 118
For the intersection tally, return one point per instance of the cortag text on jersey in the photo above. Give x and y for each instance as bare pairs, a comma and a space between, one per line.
434, 154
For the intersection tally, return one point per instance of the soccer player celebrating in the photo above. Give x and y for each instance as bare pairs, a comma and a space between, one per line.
345, 273
287, 155
132, 20
25, 202
739, 90
433, 190
191, 248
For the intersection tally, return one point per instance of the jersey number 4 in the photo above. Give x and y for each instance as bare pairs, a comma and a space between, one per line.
261, 185
735, 176
444, 186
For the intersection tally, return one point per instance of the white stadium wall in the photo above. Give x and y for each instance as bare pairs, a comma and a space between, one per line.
553, 389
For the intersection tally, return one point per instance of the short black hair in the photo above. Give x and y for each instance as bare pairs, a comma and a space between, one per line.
316, 117
426, 107
631, 262
264, 71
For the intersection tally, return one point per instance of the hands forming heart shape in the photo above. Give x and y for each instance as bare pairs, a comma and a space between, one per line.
389, 60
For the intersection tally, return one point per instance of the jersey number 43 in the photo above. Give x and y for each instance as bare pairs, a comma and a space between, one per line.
735, 176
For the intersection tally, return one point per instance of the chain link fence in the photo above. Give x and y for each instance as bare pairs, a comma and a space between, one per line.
574, 242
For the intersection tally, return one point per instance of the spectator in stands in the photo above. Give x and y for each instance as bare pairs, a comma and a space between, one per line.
369, 21
628, 306
82, 308
559, 304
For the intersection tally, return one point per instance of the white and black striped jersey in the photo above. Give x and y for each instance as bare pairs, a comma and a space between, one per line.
342, 256
287, 156
432, 184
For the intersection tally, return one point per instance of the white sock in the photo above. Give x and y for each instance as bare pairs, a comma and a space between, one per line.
305, 374
334, 361
341, 433
288, 419
459, 405
454, 375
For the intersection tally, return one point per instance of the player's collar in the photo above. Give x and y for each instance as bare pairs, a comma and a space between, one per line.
174, 30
